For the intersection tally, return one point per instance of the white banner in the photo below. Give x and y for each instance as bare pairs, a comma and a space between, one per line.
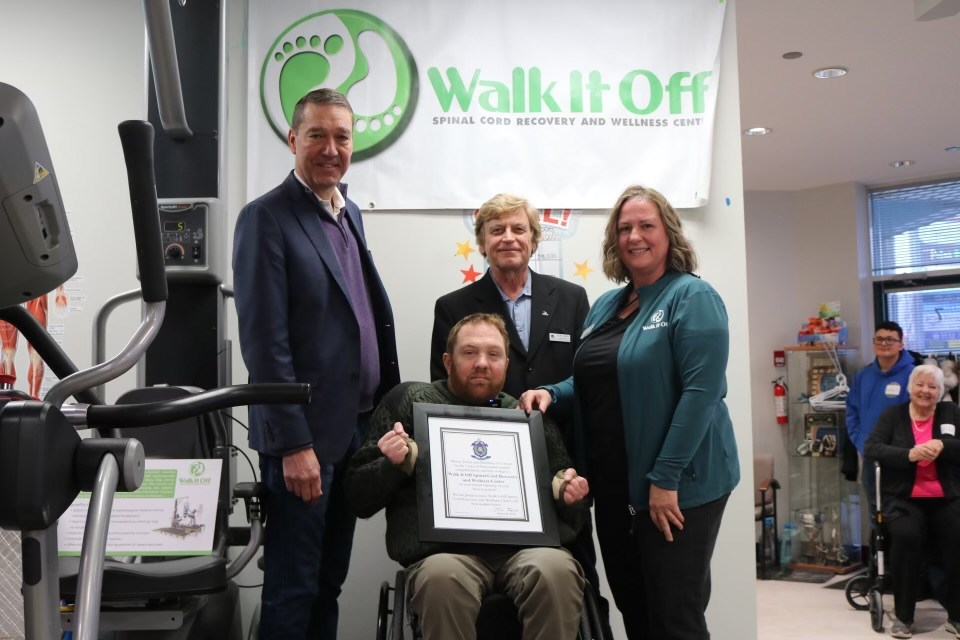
562, 102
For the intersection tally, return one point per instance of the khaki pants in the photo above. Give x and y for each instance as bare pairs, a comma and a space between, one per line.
545, 584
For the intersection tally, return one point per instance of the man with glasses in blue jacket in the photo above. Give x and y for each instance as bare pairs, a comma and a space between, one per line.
881, 384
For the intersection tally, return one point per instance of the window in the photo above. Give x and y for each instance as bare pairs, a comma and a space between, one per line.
915, 256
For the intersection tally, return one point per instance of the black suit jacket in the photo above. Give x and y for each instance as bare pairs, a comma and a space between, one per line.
558, 307
297, 324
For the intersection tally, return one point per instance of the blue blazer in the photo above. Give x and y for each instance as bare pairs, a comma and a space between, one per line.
297, 324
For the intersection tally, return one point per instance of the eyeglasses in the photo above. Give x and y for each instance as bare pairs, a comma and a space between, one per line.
879, 341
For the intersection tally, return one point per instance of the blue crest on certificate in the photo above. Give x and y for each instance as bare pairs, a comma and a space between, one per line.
480, 449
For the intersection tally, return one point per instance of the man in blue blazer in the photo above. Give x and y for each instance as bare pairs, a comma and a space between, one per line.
311, 308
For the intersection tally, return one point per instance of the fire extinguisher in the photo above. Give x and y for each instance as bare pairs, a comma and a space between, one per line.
780, 400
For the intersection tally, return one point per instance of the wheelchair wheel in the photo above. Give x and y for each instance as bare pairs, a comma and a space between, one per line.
585, 633
876, 610
383, 613
858, 592
399, 595
590, 626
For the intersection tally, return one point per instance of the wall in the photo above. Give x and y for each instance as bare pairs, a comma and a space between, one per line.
802, 249
87, 74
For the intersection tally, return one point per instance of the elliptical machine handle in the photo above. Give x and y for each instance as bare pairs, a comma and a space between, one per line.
136, 138
148, 414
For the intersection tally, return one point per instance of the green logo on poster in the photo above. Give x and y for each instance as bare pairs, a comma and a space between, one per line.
353, 52
197, 468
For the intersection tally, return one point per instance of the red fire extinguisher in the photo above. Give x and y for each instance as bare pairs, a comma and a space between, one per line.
780, 400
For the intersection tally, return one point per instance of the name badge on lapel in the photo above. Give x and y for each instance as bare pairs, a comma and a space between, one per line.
559, 337
948, 430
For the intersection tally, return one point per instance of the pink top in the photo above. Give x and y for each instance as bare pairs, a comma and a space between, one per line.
926, 484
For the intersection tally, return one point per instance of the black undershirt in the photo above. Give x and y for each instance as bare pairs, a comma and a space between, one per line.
595, 372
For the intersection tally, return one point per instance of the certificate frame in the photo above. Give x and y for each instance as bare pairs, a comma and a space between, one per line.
506, 464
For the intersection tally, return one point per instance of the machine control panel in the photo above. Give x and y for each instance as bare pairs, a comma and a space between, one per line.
184, 232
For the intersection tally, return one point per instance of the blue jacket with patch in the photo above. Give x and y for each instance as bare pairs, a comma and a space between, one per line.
672, 373
873, 391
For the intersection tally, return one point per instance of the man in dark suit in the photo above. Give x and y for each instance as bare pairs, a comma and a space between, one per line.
544, 318
544, 315
311, 308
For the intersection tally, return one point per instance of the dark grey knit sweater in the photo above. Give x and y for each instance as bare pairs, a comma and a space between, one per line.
373, 483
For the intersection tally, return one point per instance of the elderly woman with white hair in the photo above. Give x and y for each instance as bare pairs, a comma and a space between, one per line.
918, 449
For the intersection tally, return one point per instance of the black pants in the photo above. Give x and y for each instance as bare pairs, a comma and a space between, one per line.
914, 524
661, 588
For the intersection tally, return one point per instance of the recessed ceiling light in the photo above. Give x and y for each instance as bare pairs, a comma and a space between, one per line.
830, 72
896, 164
757, 131
952, 149
792, 55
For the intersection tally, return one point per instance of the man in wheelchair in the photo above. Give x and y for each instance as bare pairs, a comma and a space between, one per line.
447, 581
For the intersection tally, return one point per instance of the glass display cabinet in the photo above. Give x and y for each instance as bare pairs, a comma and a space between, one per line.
824, 506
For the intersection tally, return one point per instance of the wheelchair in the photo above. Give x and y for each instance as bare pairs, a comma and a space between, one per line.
497, 619
865, 592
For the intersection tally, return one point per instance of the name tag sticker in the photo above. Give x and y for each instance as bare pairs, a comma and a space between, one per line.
559, 337
892, 390
948, 429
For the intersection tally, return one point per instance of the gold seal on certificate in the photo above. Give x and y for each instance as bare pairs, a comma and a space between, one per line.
482, 476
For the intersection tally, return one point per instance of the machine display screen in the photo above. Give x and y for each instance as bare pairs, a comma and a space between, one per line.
174, 225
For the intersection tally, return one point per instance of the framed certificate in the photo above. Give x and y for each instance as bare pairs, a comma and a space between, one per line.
483, 476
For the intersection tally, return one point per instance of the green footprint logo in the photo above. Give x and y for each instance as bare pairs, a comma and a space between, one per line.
350, 51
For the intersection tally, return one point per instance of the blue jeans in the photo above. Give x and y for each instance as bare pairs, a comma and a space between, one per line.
306, 553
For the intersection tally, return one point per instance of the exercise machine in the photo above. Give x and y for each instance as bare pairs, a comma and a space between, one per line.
44, 463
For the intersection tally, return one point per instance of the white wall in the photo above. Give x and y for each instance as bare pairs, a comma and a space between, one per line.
84, 76
802, 249
87, 74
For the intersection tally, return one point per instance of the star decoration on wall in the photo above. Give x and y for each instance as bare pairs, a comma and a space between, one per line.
469, 275
464, 249
583, 268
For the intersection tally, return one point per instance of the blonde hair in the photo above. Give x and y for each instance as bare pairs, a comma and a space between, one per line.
499, 206
681, 256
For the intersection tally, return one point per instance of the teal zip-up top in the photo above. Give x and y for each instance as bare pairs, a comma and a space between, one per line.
672, 371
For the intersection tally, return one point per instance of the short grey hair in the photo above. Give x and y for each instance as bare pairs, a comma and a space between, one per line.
931, 370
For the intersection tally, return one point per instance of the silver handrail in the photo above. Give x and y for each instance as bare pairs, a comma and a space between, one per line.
120, 364
166, 69
90, 576
100, 327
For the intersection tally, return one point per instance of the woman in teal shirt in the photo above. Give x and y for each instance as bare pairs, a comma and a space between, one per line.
653, 431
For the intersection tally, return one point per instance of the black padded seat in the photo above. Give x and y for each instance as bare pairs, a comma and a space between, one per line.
194, 575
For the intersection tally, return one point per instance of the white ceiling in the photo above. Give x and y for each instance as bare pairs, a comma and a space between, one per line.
900, 100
